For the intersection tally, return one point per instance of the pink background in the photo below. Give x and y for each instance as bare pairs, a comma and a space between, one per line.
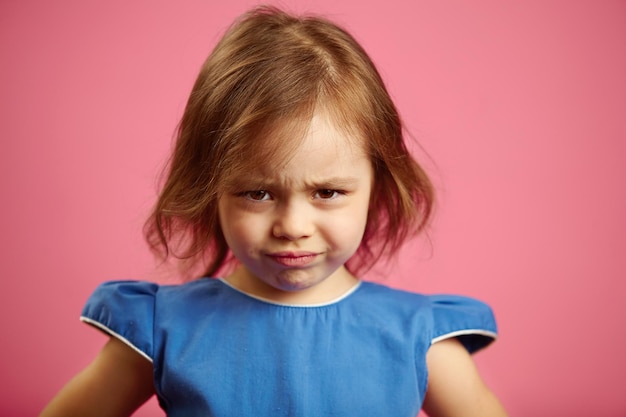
521, 107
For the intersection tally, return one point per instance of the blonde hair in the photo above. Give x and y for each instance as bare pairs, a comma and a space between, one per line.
268, 74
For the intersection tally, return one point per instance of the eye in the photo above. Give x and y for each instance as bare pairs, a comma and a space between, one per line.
257, 195
327, 194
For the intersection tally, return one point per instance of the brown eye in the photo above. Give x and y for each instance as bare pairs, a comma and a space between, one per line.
257, 195
326, 194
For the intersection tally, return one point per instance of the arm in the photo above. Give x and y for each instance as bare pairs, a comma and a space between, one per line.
115, 384
455, 388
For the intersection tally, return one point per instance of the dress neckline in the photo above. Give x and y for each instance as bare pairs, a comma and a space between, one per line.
311, 305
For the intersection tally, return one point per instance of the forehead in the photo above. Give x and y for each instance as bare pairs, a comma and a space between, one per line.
314, 151
323, 134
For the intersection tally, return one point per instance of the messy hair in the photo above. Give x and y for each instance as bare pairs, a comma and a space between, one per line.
259, 88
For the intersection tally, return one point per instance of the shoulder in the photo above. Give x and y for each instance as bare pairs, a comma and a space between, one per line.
128, 310
380, 293
392, 307
448, 316
470, 320
146, 292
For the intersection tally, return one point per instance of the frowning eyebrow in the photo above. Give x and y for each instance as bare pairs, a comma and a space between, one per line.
335, 183
254, 183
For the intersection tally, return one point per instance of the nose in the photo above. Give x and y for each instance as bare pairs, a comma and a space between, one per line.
293, 222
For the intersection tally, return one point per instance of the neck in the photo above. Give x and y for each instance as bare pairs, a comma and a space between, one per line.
335, 286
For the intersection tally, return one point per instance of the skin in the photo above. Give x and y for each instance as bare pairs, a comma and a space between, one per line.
116, 383
455, 388
292, 230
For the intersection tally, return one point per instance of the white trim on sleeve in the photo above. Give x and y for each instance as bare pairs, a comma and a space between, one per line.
105, 329
479, 332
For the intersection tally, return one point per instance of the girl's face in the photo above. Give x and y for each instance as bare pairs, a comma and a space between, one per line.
293, 225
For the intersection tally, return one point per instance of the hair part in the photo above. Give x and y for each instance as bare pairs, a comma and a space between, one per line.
253, 101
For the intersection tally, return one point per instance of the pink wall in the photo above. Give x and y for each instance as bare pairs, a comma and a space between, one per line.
522, 108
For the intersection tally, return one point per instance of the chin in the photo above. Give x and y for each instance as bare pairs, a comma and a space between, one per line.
297, 280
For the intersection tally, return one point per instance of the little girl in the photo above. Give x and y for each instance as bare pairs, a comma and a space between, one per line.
290, 174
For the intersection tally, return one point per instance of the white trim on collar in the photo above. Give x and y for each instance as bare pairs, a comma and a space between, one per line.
268, 301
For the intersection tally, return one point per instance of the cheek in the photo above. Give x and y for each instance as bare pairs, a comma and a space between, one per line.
347, 230
241, 230
360, 216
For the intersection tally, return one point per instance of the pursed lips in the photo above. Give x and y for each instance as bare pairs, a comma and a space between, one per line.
293, 258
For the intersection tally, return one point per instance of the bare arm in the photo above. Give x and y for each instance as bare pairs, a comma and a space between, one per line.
455, 389
115, 384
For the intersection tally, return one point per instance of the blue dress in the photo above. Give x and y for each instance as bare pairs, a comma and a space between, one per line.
217, 351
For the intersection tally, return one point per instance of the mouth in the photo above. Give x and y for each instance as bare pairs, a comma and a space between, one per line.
293, 258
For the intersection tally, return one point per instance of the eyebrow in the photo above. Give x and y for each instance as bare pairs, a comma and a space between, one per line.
335, 182
324, 183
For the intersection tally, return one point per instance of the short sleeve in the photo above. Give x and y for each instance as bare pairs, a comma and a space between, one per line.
125, 310
469, 320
